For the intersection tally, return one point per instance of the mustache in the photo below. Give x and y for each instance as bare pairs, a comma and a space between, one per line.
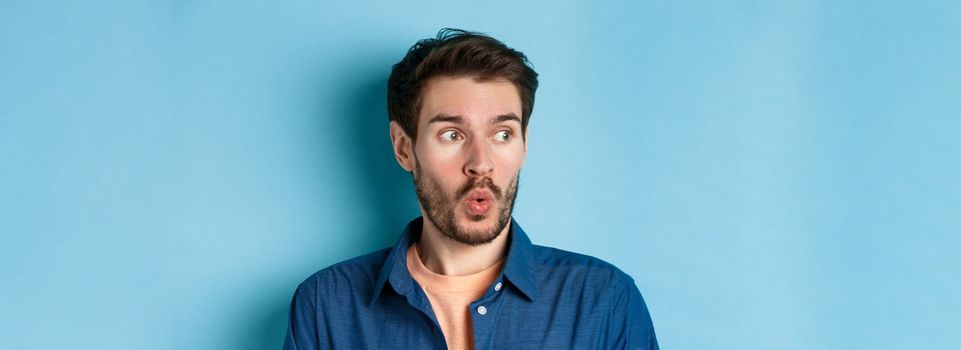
479, 183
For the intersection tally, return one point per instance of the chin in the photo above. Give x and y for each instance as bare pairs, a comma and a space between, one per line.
475, 233
475, 223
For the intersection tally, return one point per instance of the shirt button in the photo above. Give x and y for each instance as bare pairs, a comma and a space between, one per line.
482, 310
497, 287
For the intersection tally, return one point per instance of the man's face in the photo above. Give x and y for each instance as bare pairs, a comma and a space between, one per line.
468, 156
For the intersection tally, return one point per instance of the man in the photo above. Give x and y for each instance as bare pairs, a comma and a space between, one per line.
465, 275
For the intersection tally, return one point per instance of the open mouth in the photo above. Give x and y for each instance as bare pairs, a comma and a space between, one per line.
479, 202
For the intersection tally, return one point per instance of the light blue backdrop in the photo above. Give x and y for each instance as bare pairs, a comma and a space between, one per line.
773, 175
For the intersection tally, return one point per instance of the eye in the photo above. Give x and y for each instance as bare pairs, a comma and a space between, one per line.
503, 136
451, 136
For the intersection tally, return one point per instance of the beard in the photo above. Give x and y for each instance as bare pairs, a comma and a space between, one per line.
441, 207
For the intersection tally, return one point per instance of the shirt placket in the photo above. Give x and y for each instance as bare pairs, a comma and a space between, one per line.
483, 314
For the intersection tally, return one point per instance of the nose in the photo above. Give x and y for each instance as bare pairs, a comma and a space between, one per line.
479, 162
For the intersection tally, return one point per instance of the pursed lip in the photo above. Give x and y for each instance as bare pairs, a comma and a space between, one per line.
479, 203
479, 195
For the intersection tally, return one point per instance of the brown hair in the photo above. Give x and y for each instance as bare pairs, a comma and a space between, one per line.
456, 52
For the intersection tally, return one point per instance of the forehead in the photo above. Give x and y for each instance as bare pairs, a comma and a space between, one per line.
473, 100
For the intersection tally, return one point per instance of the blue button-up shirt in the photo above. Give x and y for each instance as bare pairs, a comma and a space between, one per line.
544, 298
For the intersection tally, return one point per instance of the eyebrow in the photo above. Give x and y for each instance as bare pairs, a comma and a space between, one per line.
506, 117
456, 119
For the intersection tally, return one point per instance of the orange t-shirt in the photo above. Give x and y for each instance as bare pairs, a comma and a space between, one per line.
450, 297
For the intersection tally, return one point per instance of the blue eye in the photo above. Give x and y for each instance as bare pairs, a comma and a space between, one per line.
503, 136
450, 135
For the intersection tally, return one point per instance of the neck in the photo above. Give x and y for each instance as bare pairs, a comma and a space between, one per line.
446, 256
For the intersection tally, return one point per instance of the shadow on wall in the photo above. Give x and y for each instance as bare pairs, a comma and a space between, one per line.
387, 190
385, 193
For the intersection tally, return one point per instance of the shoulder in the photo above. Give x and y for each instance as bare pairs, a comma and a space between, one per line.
592, 269
355, 273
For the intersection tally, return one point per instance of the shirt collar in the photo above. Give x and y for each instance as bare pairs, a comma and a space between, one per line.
518, 268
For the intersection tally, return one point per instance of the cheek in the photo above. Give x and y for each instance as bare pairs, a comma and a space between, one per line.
510, 159
508, 165
435, 152
442, 165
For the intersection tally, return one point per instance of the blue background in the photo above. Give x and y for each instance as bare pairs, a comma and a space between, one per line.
773, 175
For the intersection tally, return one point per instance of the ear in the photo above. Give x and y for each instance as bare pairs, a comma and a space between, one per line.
403, 146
